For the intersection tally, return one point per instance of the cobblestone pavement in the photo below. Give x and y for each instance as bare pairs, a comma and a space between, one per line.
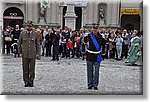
68, 76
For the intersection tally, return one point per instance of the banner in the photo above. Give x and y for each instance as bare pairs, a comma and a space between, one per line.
130, 11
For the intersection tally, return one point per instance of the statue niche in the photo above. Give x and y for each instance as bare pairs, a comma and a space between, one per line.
42, 11
101, 14
42, 14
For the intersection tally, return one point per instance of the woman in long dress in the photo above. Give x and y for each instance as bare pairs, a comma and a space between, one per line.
134, 53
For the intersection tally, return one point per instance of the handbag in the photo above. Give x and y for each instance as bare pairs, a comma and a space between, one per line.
9, 39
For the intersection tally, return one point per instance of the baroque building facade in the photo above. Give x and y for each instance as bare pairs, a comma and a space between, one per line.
73, 13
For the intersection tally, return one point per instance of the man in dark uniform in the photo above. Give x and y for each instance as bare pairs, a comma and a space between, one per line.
16, 34
65, 37
48, 42
93, 54
29, 47
55, 42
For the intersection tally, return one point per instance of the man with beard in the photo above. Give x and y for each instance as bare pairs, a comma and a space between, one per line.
55, 42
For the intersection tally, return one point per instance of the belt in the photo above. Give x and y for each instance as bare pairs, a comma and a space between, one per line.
94, 52
15, 39
63, 42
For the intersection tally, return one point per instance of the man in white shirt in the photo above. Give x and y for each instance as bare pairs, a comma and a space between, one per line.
43, 43
119, 41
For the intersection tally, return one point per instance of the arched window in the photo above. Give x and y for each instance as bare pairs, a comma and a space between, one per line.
13, 16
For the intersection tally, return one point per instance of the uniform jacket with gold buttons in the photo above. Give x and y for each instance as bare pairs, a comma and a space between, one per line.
28, 44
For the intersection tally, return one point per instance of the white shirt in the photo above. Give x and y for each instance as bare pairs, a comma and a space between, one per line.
119, 41
44, 34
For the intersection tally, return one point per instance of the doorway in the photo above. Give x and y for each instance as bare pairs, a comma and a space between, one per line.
130, 22
13, 16
78, 12
64, 12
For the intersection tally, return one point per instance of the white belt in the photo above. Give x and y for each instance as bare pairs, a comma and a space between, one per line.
94, 52
63, 42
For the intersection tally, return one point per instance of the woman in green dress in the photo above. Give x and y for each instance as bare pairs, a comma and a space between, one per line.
134, 53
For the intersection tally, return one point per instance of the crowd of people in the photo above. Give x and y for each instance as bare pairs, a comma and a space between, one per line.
93, 44
66, 43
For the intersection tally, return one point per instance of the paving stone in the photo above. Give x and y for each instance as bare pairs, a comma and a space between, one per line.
63, 78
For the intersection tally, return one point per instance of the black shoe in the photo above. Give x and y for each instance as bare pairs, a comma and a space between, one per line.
134, 65
90, 87
53, 60
42, 54
95, 88
31, 84
116, 58
27, 85
131, 65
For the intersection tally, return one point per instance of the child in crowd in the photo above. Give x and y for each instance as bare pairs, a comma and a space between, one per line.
69, 47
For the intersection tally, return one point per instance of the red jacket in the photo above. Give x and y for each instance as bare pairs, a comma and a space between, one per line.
69, 45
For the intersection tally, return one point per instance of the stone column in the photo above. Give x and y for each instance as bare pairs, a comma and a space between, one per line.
60, 15
115, 14
29, 13
109, 13
90, 13
83, 16
1, 38
1, 17
1, 44
70, 16
35, 12
48, 14
57, 13
53, 13
141, 15
95, 12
